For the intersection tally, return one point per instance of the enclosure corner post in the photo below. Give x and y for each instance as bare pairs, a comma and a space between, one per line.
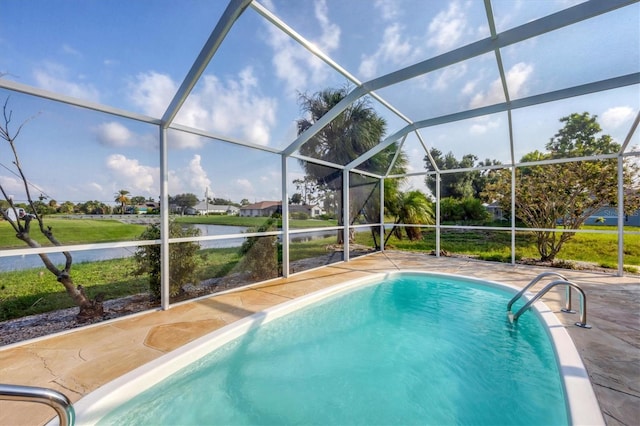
345, 215
513, 215
381, 214
164, 221
438, 214
285, 219
620, 272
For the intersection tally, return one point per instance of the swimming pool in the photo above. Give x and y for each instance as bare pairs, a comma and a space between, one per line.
413, 348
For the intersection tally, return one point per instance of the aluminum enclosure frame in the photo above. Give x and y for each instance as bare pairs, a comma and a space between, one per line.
494, 43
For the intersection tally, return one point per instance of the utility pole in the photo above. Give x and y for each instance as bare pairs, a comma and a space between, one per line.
206, 199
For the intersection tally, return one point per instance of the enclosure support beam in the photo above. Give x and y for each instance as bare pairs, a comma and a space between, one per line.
232, 12
513, 215
345, 215
583, 89
438, 214
164, 221
620, 216
285, 219
381, 214
515, 35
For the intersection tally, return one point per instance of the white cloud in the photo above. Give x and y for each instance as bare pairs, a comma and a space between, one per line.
197, 176
449, 75
388, 9
70, 50
616, 117
447, 28
114, 134
482, 125
13, 187
293, 64
191, 178
330, 37
95, 187
469, 87
232, 107
56, 78
152, 92
516, 78
393, 49
399, 49
129, 173
245, 184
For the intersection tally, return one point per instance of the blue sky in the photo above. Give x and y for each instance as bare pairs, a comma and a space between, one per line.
133, 55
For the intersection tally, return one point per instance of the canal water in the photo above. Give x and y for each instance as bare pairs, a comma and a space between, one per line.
16, 263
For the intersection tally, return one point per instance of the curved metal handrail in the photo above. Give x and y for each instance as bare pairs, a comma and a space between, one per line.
583, 302
54, 399
531, 284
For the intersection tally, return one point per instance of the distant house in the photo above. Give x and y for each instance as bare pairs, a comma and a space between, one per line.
609, 216
261, 209
148, 207
495, 211
267, 208
309, 210
202, 209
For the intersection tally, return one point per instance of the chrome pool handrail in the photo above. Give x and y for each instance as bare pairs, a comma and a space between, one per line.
583, 302
54, 399
531, 284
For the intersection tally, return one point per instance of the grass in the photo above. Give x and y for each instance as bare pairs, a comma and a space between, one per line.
73, 231
36, 290
599, 249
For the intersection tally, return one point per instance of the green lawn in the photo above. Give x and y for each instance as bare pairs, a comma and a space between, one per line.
36, 290
600, 249
74, 231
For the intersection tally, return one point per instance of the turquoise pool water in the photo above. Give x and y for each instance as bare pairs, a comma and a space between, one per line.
415, 349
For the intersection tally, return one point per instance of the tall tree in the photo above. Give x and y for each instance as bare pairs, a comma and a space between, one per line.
457, 185
21, 224
353, 132
184, 201
308, 189
138, 200
122, 197
565, 194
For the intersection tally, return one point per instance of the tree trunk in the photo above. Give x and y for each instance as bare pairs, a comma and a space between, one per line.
88, 309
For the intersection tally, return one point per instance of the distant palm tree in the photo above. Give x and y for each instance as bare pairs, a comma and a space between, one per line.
121, 197
411, 207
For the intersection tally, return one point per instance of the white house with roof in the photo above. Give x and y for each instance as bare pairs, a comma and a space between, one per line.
203, 208
267, 208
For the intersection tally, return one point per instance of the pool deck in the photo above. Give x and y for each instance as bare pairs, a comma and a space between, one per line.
78, 362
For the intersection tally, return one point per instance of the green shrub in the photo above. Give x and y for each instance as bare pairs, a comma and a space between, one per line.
466, 210
262, 255
183, 259
299, 216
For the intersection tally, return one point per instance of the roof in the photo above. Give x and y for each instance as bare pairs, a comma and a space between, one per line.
203, 206
261, 205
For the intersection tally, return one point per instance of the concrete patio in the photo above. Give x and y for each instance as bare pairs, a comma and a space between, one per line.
78, 362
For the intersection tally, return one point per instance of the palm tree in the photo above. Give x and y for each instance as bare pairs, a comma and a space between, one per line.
121, 197
411, 207
352, 133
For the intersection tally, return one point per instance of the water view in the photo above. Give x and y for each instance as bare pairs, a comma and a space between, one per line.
16, 263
